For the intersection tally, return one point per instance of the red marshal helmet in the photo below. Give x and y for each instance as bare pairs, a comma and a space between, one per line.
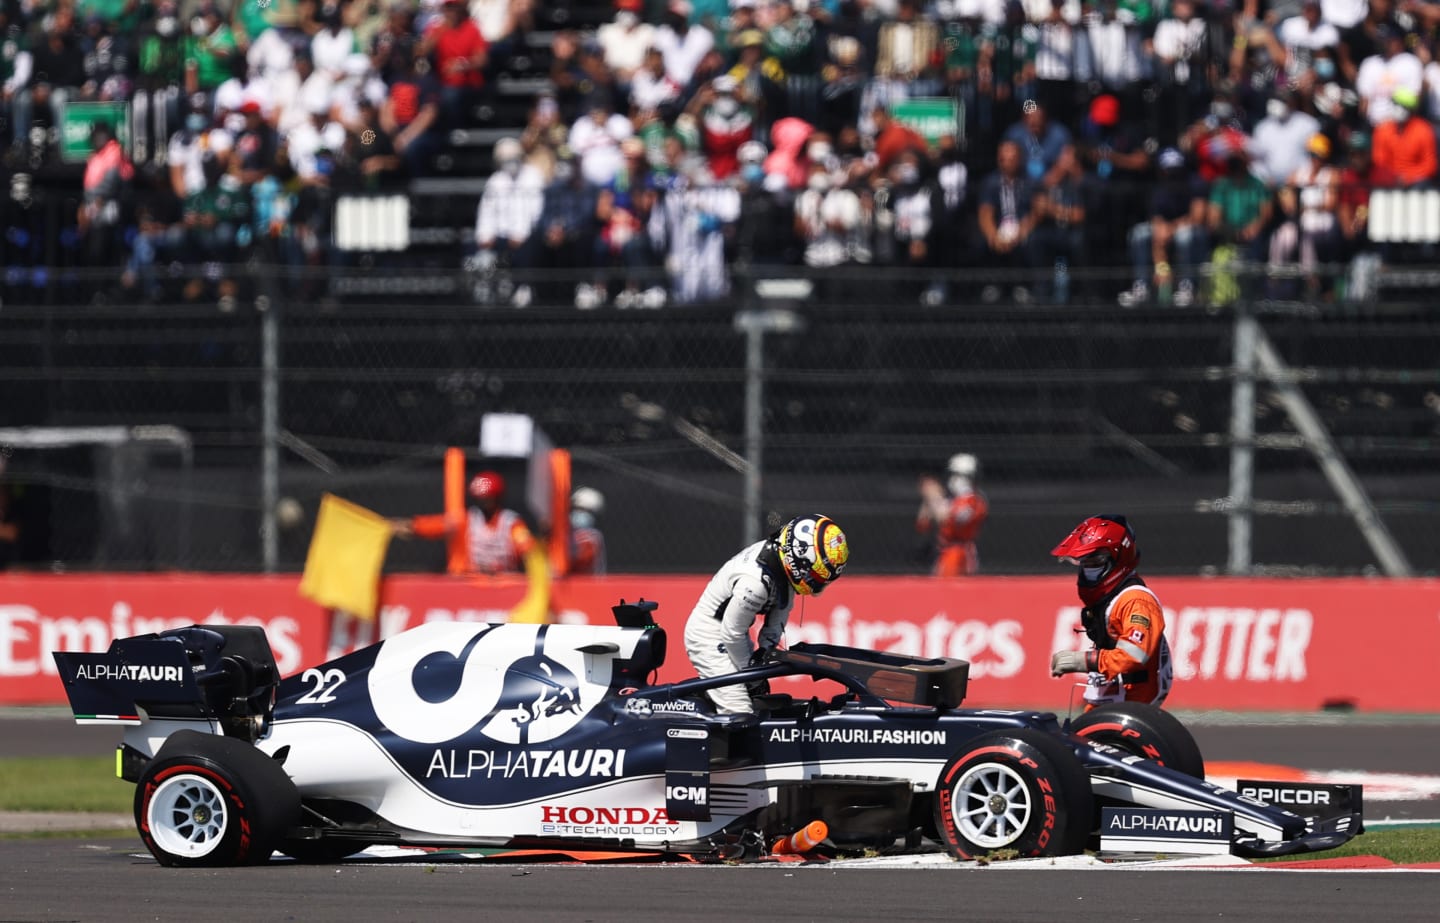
487, 484
1112, 542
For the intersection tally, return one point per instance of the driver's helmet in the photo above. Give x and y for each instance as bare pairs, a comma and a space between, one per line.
487, 484
1104, 548
814, 552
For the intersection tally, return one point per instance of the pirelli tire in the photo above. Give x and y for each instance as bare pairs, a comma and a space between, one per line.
1021, 793
1144, 730
208, 801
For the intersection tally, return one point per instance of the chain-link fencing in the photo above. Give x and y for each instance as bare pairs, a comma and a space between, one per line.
134, 437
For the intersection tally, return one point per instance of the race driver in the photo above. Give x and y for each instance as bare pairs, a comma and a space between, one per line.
804, 557
1122, 617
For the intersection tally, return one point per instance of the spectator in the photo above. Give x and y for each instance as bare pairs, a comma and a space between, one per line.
459, 54
791, 40
908, 52
1302, 37
567, 228
1174, 235
1356, 181
1114, 156
392, 50
950, 244
1404, 148
651, 88
1041, 142
108, 174
16, 66
683, 45
1056, 48
1185, 64
842, 90
1364, 39
765, 232
1059, 231
726, 122
1278, 147
622, 211
1238, 213
951, 517
208, 50
787, 170
370, 149
1112, 48
691, 224
905, 215
57, 73
587, 542
892, 138
596, 136
1309, 233
333, 44
1214, 139
832, 223
1007, 218
507, 217
625, 42
1380, 75
410, 114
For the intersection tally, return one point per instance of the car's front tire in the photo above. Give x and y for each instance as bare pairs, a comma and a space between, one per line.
1142, 729
1023, 791
213, 801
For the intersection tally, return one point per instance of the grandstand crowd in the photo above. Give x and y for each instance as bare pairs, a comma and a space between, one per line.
648, 146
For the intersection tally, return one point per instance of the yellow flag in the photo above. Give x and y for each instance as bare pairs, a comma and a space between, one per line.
347, 552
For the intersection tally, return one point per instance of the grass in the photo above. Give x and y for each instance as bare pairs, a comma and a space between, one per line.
88, 783
71, 783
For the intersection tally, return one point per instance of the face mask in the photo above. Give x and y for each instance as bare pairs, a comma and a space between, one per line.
727, 106
1091, 574
196, 122
581, 519
907, 174
564, 172
959, 485
511, 167
198, 27
626, 19
819, 182
752, 173
818, 151
1277, 109
1324, 68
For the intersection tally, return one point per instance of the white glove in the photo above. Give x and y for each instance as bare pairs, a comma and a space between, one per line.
1062, 662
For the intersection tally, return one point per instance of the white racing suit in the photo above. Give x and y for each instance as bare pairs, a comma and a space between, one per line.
717, 634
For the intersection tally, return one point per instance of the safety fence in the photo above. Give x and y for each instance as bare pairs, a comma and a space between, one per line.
188, 437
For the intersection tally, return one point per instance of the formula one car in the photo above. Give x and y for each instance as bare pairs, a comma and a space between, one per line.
547, 736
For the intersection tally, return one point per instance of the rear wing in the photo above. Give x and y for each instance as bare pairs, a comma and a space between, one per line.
220, 672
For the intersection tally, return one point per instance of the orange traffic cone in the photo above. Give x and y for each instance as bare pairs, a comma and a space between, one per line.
802, 840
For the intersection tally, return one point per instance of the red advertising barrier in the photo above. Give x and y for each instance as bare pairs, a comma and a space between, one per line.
1238, 644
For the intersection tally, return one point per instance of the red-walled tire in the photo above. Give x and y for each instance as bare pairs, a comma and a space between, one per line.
1144, 730
213, 801
1021, 790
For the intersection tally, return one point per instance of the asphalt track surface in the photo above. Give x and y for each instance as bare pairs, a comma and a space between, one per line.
111, 877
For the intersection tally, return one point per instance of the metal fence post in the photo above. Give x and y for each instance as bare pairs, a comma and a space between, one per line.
755, 324
1242, 443
269, 430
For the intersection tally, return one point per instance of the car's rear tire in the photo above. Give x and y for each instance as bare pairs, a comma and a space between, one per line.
213, 801
1144, 730
1023, 791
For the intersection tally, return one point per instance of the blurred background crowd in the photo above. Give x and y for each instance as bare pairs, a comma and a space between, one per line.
644, 148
